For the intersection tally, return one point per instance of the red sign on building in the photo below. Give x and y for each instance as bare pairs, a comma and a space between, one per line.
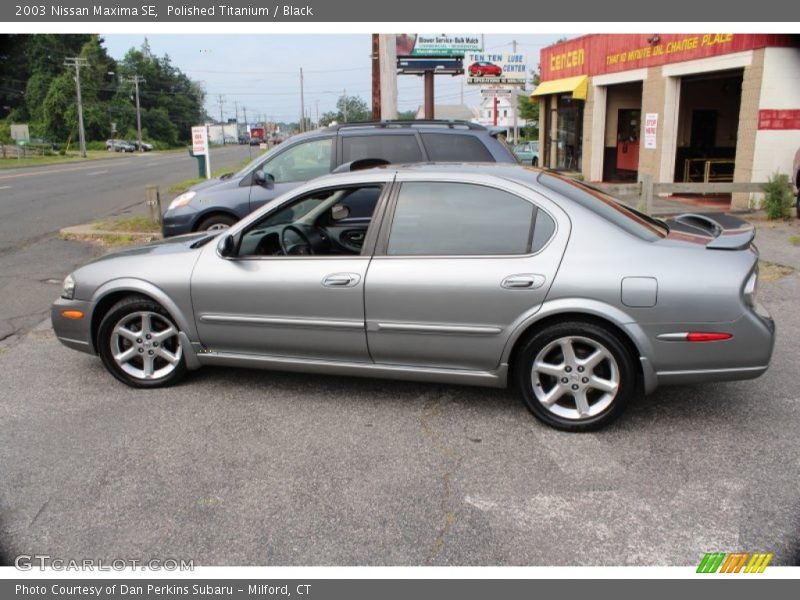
779, 119
597, 54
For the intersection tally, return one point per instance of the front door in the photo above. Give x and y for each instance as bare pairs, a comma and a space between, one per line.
294, 166
460, 266
296, 285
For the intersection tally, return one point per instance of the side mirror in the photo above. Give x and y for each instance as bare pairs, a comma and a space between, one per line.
264, 179
227, 246
339, 212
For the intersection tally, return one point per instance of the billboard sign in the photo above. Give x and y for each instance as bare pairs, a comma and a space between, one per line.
486, 68
421, 44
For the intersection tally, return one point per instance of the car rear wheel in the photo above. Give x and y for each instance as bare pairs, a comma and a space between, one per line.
215, 223
139, 344
535, 162
575, 376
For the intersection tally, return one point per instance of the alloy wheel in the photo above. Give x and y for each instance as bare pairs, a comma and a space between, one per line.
575, 377
145, 345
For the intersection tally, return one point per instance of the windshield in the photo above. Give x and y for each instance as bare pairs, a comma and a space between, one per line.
628, 218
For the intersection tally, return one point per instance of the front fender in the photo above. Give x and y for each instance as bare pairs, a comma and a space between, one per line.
139, 286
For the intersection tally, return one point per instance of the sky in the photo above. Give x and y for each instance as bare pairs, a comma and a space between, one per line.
261, 73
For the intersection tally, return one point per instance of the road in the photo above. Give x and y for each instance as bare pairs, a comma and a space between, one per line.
248, 467
36, 202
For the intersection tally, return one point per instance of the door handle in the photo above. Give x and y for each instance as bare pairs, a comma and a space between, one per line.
341, 280
526, 281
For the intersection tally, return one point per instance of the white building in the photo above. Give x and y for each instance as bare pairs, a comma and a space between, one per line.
505, 112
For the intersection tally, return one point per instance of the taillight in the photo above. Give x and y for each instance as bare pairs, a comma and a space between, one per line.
751, 288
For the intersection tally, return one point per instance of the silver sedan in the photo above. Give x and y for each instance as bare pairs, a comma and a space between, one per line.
473, 274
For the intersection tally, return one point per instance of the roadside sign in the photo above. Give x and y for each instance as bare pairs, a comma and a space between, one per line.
500, 92
20, 133
200, 140
200, 146
442, 44
483, 68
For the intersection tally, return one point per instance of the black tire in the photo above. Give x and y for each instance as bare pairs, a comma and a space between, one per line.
627, 374
216, 221
535, 162
105, 340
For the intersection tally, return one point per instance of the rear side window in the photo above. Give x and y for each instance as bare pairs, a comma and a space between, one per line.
395, 149
622, 216
455, 147
441, 219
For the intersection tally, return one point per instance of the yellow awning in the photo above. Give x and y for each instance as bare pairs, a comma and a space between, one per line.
578, 85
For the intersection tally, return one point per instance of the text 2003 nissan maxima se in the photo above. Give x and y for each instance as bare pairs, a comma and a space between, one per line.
475, 274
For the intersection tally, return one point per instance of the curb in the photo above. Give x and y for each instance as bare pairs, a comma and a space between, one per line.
88, 232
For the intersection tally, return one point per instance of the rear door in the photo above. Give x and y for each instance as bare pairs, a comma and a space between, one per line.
459, 263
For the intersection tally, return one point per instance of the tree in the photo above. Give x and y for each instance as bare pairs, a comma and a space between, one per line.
349, 109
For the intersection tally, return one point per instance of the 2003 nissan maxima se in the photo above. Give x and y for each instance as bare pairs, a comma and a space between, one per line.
475, 274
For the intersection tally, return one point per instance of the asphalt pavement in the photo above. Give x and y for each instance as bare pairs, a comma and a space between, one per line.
36, 202
256, 467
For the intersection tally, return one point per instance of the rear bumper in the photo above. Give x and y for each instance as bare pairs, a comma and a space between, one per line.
745, 356
73, 333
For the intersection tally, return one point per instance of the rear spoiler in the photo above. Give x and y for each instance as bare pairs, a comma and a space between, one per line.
729, 232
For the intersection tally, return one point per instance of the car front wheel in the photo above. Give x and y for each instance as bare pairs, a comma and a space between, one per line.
575, 376
215, 223
138, 343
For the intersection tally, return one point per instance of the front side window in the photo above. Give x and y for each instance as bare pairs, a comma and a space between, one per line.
326, 222
437, 218
395, 149
302, 162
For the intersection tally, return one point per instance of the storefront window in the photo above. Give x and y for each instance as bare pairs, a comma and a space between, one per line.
570, 133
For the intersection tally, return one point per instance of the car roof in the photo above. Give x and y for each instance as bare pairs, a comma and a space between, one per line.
526, 175
433, 124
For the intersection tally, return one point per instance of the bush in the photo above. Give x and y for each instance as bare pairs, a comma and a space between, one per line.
778, 196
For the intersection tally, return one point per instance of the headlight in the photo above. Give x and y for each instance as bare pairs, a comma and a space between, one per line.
751, 288
182, 200
68, 291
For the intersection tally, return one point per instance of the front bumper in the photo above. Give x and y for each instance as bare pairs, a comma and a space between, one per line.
178, 222
73, 333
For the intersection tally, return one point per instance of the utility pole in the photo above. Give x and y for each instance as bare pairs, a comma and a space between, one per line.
515, 104
388, 58
136, 80
376, 77
244, 110
221, 102
344, 102
79, 62
316, 102
302, 104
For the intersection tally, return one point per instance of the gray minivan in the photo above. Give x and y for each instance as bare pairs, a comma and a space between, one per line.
218, 203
